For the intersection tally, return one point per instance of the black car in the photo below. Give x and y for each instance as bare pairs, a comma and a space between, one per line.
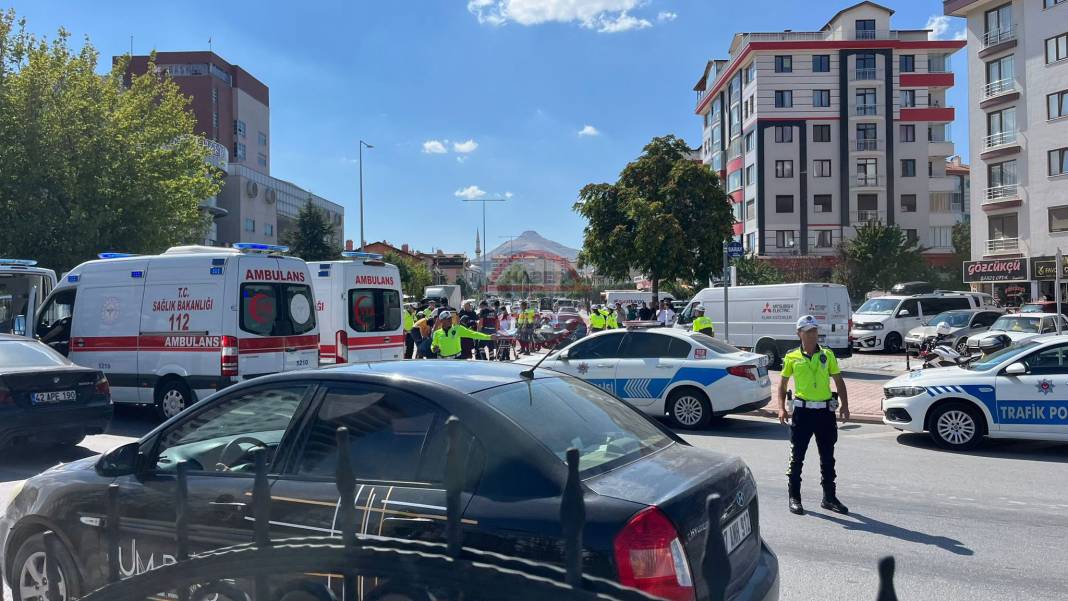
44, 398
644, 488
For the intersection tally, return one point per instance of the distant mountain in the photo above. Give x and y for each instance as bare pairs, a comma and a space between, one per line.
531, 240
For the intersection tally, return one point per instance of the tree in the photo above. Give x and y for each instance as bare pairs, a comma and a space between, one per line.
754, 272
310, 239
88, 163
465, 287
666, 217
878, 257
414, 275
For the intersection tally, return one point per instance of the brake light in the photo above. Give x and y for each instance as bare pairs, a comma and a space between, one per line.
102, 387
228, 356
341, 341
650, 557
743, 371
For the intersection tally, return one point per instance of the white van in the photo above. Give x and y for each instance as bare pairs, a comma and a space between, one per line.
449, 292
882, 322
763, 319
23, 286
359, 305
629, 297
170, 329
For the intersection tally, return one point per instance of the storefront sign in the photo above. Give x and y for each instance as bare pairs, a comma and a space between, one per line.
996, 270
1043, 268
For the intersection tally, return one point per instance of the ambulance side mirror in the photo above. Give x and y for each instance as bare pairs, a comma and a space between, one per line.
120, 461
1016, 369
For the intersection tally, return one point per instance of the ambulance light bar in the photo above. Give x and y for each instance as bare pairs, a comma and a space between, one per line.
111, 255
641, 325
23, 262
257, 247
355, 254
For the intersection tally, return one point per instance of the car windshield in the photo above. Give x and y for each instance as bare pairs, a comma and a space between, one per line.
879, 306
562, 413
997, 358
16, 354
714, 345
1015, 323
1031, 308
955, 320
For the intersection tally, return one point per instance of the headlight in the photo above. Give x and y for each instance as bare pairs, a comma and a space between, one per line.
895, 391
875, 326
15, 490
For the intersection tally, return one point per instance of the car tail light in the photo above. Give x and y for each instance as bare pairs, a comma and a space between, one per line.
650, 557
748, 372
103, 388
341, 341
228, 357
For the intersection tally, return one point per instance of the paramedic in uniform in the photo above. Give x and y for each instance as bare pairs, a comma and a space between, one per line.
812, 368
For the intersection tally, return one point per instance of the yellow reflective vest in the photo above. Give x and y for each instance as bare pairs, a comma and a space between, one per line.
812, 374
610, 319
409, 321
702, 323
597, 321
447, 342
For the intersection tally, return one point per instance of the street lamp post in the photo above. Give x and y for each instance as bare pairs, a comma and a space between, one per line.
363, 242
484, 201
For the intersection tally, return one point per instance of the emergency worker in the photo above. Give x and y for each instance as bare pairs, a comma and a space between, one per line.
597, 320
610, 322
447, 339
701, 323
409, 324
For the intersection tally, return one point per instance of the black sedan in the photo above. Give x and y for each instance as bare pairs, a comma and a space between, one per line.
644, 487
44, 398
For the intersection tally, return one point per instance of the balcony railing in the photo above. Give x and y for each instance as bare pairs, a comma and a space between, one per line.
865, 145
999, 138
863, 74
866, 216
1000, 193
1000, 86
867, 109
866, 181
997, 36
1001, 245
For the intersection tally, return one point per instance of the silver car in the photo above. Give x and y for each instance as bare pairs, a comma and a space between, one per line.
963, 324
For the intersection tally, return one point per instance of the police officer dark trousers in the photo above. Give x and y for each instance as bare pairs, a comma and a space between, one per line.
812, 368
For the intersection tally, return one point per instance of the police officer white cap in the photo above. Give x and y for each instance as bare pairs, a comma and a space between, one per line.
807, 322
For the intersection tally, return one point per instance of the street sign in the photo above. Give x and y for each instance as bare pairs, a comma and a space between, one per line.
735, 250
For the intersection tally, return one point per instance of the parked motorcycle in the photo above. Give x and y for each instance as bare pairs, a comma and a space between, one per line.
938, 351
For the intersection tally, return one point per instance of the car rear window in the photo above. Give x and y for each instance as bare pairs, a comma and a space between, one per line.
277, 309
374, 310
17, 354
714, 345
563, 412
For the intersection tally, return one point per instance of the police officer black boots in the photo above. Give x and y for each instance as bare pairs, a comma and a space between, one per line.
830, 500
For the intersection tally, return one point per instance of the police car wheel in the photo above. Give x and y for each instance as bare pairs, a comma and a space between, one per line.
956, 426
30, 569
172, 397
689, 408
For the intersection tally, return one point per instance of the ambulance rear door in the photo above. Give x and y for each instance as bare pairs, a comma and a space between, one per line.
373, 301
275, 317
329, 307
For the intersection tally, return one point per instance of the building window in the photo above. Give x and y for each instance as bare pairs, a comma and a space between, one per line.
734, 181
750, 242
268, 228
750, 177
1001, 227
784, 203
239, 151
750, 73
821, 203
784, 168
263, 139
1057, 48
907, 63
911, 237
749, 142
865, 29
250, 225
908, 167
908, 203
821, 98
1058, 219
1057, 104
784, 134
784, 64
750, 210
1001, 127
784, 239
261, 159
930, 168
823, 238
821, 133
239, 128
942, 236
867, 172
1002, 174
821, 63
998, 24
821, 168
866, 103
999, 75
908, 98
215, 120
908, 133
868, 202
1052, 3
1058, 161
784, 99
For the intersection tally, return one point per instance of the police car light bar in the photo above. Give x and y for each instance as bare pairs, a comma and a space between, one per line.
257, 247
640, 325
23, 262
111, 255
355, 254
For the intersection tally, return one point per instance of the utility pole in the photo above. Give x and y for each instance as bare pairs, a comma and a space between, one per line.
363, 241
726, 287
1059, 260
484, 201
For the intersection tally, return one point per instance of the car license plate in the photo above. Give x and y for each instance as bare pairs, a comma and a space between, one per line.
737, 531
44, 398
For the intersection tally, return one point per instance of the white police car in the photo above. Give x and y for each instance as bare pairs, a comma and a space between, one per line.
1020, 391
689, 377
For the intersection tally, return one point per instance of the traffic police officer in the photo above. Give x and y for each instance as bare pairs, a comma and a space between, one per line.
409, 323
812, 368
597, 321
610, 322
701, 323
447, 339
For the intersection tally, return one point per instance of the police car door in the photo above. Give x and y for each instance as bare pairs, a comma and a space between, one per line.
594, 360
1037, 400
646, 366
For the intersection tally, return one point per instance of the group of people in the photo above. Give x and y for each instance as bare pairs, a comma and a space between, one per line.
445, 333
607, 317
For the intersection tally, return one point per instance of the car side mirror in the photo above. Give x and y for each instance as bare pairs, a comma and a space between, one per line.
19, 327
562, 355
903, 313
1016, 369
121, 461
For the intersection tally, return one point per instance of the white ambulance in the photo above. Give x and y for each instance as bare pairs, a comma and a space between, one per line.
170, 329
23, 286
358, 300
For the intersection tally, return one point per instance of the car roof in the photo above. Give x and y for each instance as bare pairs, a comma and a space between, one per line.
677, 333
463, 376
1035, 314
15, 338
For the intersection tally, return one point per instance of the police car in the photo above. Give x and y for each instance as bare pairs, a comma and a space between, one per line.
1020, 391
687, 376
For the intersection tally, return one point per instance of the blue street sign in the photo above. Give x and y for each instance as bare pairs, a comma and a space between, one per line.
735, 250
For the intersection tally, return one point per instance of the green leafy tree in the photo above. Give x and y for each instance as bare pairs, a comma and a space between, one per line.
310, 239
88, 163
465, 287
415, 277
962, 241
878, 257
666, 217
754, 272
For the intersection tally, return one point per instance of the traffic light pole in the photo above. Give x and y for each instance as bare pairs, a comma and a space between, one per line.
726, 287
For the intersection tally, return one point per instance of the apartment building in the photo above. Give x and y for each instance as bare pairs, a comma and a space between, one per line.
815, 133
1018, 112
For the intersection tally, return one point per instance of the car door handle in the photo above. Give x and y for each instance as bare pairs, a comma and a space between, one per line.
665, 367
603, 365
236, 506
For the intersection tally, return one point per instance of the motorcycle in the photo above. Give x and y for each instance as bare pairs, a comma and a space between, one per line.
938, 351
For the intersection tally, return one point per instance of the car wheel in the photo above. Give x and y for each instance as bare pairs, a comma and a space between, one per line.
892, 343
962, 346
956, 426
769, 350
172, 397
689, 408
29, 578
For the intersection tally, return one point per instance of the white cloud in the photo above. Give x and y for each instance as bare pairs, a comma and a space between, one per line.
605, 16
470, 193
465, 147
666, 15
434, 147
461, 159
508, 195
589, 130
940, 26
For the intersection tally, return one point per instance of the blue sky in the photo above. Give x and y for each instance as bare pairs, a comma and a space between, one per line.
526, 98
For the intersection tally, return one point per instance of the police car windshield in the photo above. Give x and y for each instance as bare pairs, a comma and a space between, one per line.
879, 306
1013, 323
714, 345
955, 320
997, 358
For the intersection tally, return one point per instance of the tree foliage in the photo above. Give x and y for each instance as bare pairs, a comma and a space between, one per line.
666, 217
414, 275
755, 272
89, 164
310, 239
878, 257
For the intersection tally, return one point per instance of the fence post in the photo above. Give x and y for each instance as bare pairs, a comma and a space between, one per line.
886, 580
346, 515
53, 549
112, 531
573, 519
716, 565
454, 484
181, 522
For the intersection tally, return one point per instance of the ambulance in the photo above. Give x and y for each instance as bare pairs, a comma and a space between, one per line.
358, 300
173, 328
23, 286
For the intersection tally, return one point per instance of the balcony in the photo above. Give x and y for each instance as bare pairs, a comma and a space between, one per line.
1001, 197
996, 40
998, 144
866, 110
867, 145
1002, 246
939, 148
865, 216
863, 74
926, 80
934, 114
865, 181
937, 183
997, 92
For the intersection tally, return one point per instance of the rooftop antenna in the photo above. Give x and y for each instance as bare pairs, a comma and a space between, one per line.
209, 43
131, 45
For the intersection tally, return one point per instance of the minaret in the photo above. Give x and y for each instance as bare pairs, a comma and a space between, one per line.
478, 248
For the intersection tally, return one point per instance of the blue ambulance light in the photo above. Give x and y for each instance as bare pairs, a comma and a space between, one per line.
216, 271
256, 246
137, 274
73, 277
355, 254
23, 262
110, 255
324, 266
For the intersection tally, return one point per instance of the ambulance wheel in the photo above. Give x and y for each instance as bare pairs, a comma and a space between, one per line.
172, 397
689, 408
29, 579
956, 426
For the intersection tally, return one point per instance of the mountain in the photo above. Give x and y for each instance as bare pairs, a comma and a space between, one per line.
531, 240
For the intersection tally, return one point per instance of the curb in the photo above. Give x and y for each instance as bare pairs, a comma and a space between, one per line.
857, 418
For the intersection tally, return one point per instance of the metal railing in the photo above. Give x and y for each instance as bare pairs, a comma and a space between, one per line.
999, 193
866, 144
865, 181
867, 109
1000, 245
866, 216
863, 74
997, 36
1000, 138
998, 87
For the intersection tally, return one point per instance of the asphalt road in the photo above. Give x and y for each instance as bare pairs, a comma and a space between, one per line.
989, 525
